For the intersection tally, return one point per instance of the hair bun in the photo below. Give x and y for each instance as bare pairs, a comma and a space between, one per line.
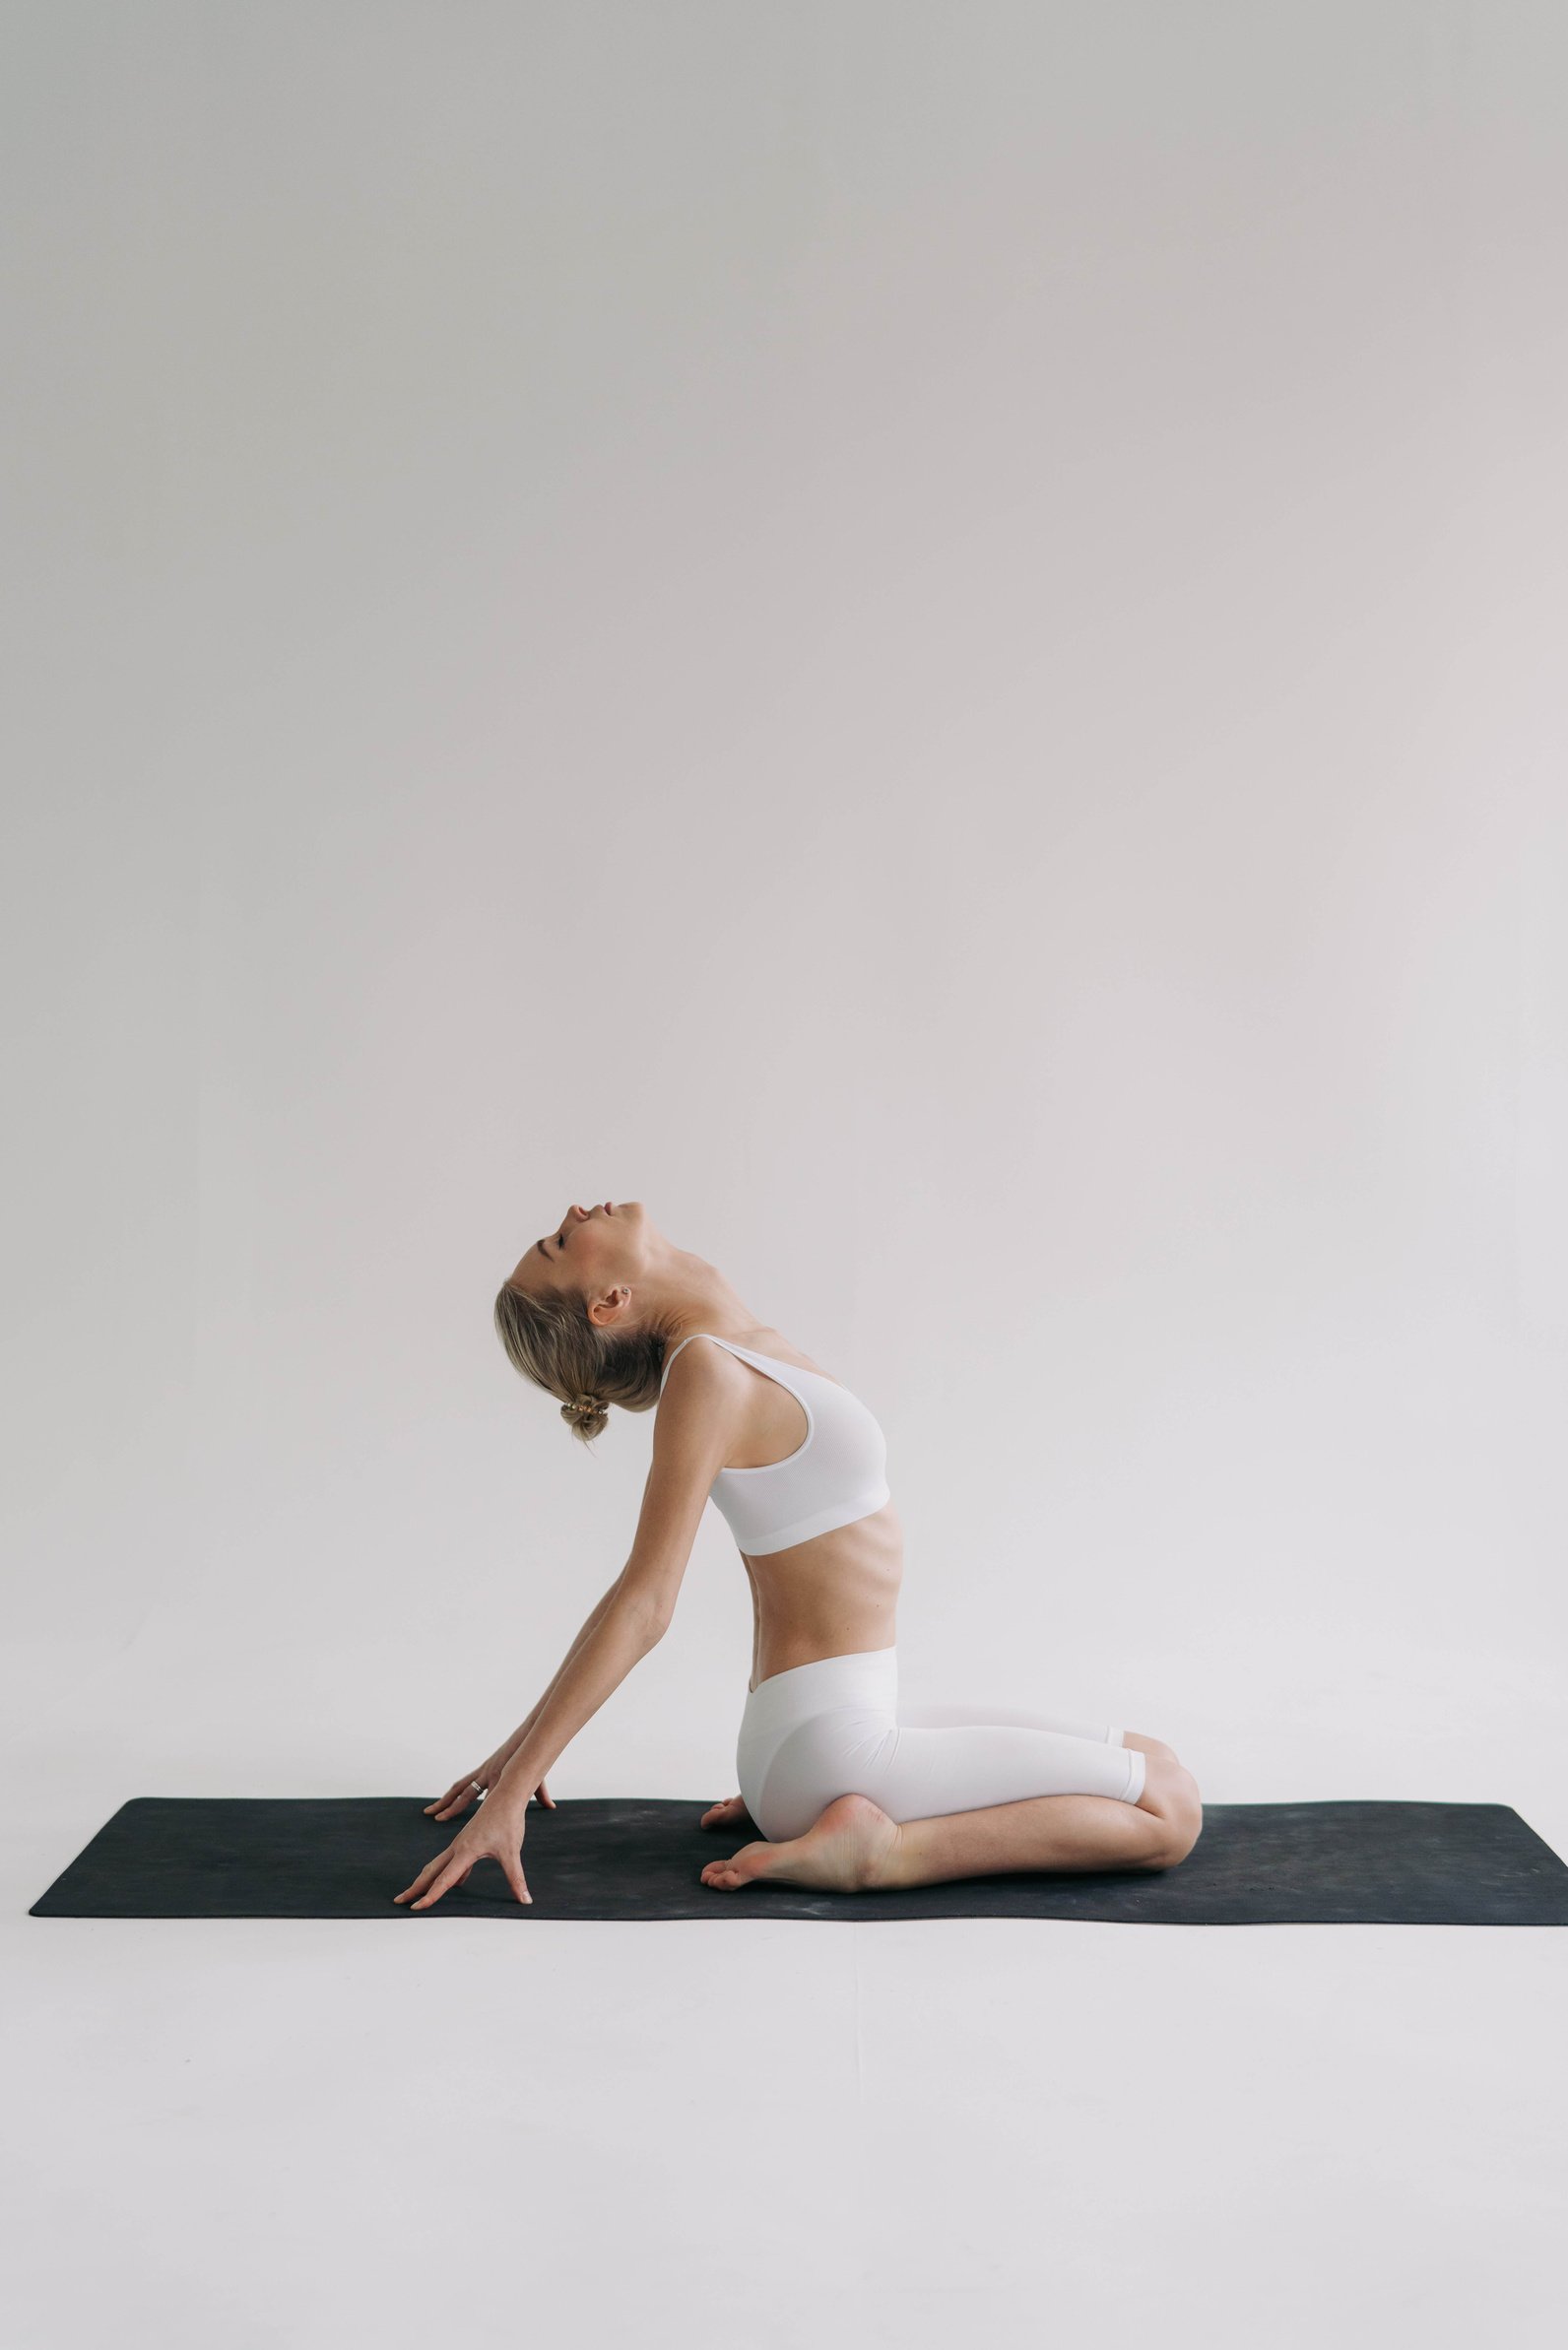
584, 1405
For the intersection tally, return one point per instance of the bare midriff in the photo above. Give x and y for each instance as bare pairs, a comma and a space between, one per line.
828, 1596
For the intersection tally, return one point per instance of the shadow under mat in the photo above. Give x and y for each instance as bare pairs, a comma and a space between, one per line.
1339, 1864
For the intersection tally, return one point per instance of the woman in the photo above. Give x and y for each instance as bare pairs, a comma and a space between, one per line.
848, 1787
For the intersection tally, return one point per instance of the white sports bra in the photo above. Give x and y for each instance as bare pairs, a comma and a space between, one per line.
838, 1473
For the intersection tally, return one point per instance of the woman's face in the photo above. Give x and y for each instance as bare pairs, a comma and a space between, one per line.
591, 1250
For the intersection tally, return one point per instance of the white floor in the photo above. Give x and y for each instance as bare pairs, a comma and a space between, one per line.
247, 2133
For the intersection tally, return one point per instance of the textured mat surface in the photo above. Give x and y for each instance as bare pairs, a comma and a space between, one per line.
1346, 1863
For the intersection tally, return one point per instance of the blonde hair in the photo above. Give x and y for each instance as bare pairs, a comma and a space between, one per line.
551, 1340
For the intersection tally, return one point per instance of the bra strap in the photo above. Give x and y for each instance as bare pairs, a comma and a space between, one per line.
675, 1350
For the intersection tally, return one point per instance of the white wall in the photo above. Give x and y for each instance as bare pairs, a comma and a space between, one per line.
929, 637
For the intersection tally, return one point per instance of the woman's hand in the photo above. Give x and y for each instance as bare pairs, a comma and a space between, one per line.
474, 1783
495, 1833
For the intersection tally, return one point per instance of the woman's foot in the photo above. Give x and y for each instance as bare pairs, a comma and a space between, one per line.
849, 1847
732, 1814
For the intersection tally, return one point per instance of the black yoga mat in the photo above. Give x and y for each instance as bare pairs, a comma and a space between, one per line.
1352, 1863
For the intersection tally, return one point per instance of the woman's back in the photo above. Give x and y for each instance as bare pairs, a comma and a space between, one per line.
821, 1540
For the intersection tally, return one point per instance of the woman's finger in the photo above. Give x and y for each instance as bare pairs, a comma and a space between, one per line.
452, 1804
423, 1880
451, 1857
545, 1797
452, 1875
461, 1792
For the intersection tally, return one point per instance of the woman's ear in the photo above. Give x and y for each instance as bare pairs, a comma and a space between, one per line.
611, 1306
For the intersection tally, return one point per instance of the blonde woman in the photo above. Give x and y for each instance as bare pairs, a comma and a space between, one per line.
841, 1783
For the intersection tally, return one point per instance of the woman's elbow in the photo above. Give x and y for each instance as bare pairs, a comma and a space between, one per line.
648, 1612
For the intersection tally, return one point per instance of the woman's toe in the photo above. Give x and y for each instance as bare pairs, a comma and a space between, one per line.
740, 1869
727, 1814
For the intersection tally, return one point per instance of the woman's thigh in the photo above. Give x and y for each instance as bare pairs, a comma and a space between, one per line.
914, 1771
967, 1766
965, 1717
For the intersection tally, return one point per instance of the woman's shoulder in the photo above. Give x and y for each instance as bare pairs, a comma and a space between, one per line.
775, 1344
767, 1341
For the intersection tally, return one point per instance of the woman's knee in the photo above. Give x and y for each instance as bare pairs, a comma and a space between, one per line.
1170, 1793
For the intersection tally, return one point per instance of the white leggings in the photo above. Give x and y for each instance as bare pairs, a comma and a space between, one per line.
836, 1727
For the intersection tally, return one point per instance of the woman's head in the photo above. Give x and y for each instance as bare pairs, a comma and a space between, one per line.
576, 1314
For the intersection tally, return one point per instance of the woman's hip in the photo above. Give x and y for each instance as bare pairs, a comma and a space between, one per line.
831, 1705
862, 1676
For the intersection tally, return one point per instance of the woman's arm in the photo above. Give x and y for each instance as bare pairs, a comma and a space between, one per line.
529, 1718
616, 1636
692, 1433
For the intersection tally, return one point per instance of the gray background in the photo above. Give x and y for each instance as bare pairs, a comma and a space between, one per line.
929, 637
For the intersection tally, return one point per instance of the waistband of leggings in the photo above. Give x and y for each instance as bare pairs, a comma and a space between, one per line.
827, 1686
